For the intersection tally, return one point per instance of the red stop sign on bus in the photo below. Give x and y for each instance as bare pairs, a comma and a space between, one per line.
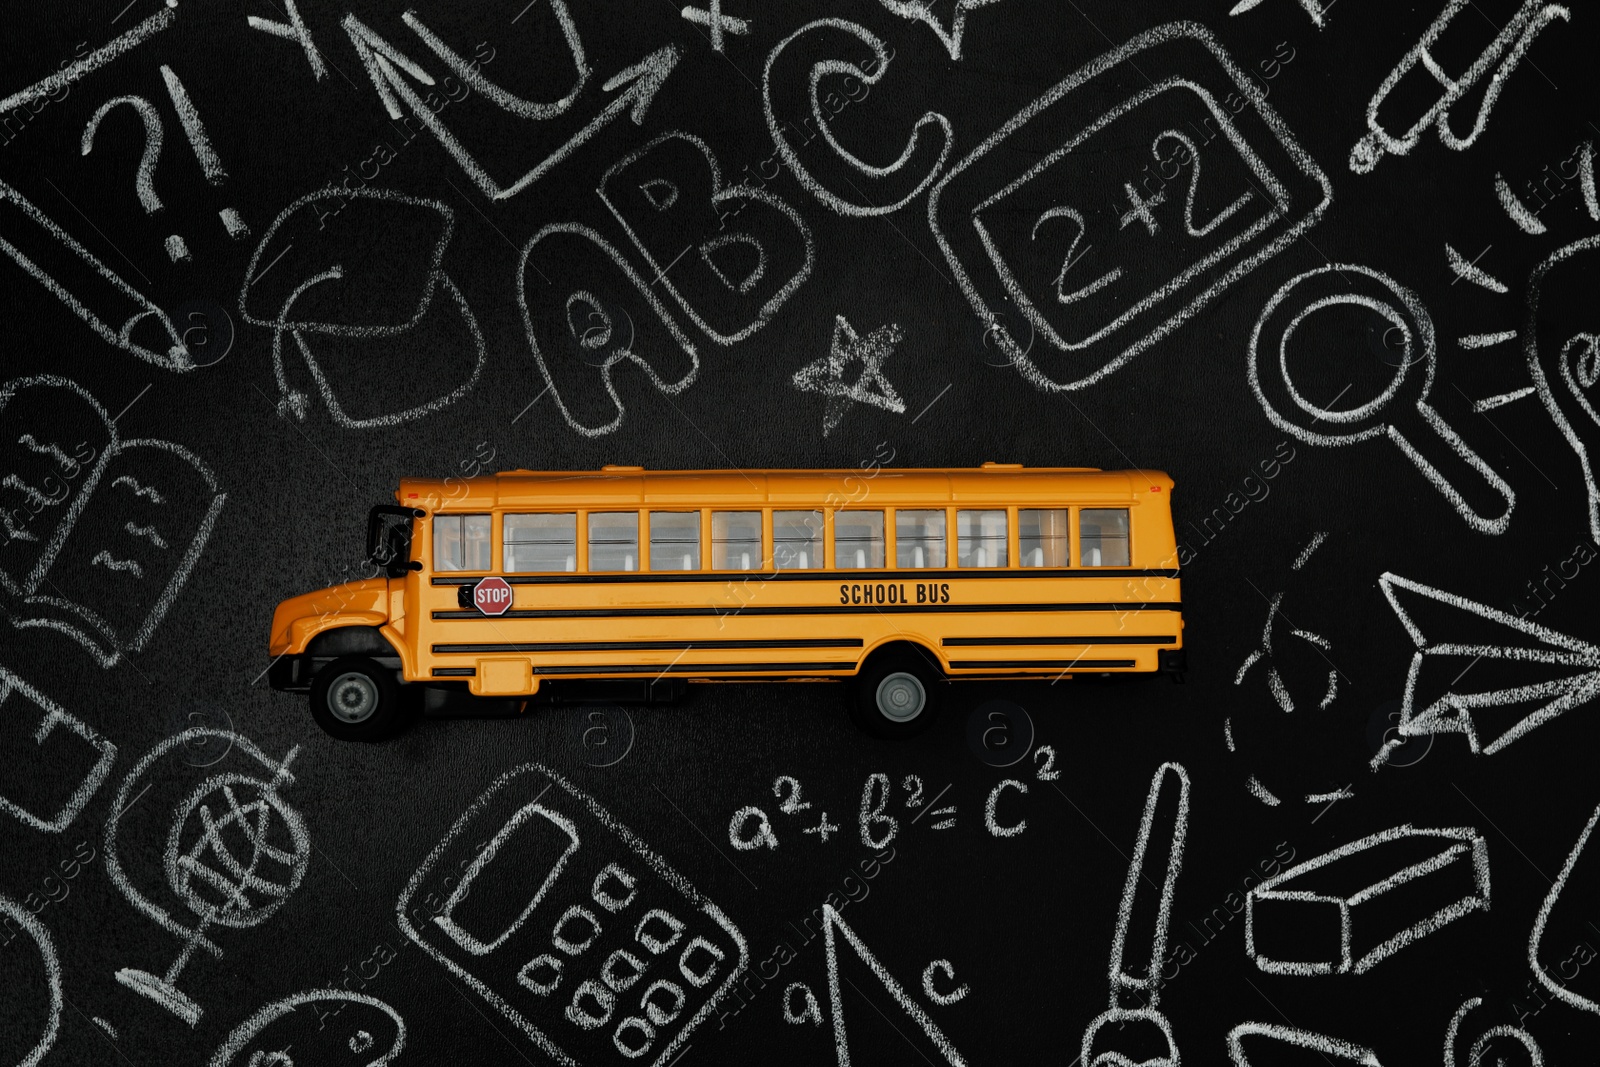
492, 596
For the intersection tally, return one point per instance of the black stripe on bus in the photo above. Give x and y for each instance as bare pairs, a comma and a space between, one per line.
897, 609
692, 668
1082, 640
455, 672
1008, 664
819, 575
659, 646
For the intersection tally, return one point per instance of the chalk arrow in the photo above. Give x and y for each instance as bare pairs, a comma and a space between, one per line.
387, 67
1564, 672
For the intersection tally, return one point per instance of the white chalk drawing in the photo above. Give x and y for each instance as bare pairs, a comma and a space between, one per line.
194, 128
1010, 239
1558, 989
144, 177
71, 564
1289, 1035
1464, 712
1261, 792
1281, 643
1275, 684
472, 76
294, 30
562, 886
15, 690
931, 991
421, 230
256, 1042
827, 374
579, 352
1489, 403
1472, 272
833, 929
1515, 209
1287, 920
1136, 978
99, 57
812, 1012
1311, 546
392, 72
1475, 1055
729, 300
922, 11
1315, 8
91, 290
235, 852
743, 837
861, 170
1591, 201
991, 816
1352, 285
1563, 366
1486, 340
1502, 55
14, 915
716, 22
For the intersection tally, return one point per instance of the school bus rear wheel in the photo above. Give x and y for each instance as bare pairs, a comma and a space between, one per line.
354, 699
895, 696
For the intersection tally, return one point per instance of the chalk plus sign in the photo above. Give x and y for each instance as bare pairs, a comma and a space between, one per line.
715, 21
1141, 208
822, 829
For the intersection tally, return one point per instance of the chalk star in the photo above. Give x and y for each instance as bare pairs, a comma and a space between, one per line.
826, 375
822, 829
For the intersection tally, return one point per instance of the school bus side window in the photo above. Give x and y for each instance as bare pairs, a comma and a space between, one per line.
674, 540
919, 538
613, 540
857, 539
797, 540
1103, 535
980, 539
735, 540
1042, 534
461, 543
540, 542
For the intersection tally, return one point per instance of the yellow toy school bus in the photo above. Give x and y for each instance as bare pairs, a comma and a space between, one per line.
897, 580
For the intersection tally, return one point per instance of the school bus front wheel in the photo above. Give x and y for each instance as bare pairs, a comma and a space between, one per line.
355, 699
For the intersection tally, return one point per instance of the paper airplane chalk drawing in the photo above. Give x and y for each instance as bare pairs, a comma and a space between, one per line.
1577, 683
1333, 914
828, 374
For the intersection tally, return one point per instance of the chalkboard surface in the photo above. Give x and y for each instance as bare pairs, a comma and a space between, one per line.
1331, 266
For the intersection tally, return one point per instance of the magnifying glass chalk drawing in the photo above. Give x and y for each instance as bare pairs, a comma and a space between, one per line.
1400, 412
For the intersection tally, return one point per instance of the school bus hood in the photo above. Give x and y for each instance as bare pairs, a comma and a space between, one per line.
298, 619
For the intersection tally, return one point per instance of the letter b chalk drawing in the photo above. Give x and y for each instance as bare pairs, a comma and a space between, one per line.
570, 926
1127, 219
